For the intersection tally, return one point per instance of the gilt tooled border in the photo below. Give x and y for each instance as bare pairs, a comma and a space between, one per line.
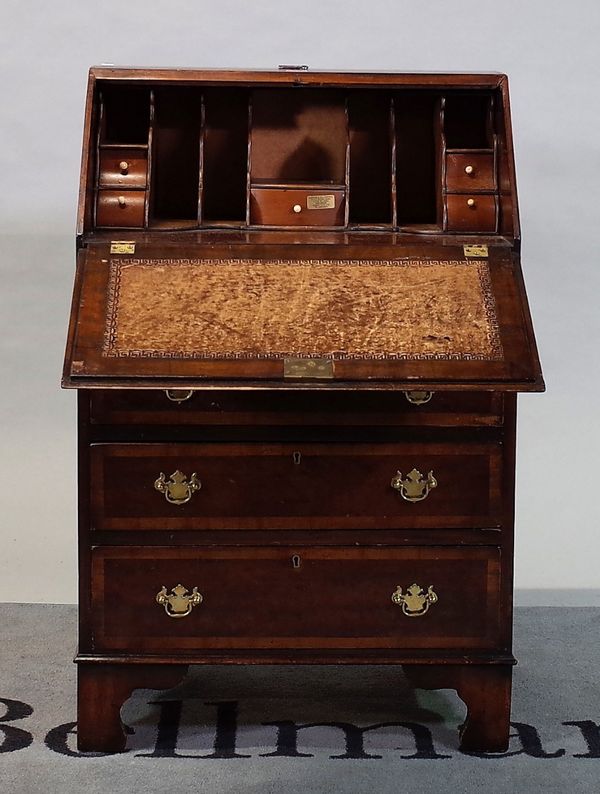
110, 348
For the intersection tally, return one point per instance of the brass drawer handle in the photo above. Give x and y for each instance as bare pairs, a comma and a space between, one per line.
123, 166
180, 602
415, 602
178, 395
418, 397
414, 488
177, 489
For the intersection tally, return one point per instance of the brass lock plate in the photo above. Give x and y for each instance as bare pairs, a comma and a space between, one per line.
308, 368
122, 247
475, 251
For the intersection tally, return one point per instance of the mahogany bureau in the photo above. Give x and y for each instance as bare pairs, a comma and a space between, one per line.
298, 330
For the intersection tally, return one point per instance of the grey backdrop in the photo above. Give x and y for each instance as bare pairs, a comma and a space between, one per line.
550, 51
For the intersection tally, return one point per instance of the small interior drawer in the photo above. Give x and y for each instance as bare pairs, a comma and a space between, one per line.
279, 486
123, 167
295, 597
471, 212
120, 208
470, 172
283, 206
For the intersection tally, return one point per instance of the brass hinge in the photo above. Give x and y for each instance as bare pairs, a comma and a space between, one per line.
476, 251
308, 368
122, 247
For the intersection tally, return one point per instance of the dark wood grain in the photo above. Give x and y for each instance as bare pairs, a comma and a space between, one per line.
256, 598
296, 539
101, 692
486, 692
133, 408
282, 486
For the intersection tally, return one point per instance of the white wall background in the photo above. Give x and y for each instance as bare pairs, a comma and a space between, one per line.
550, 51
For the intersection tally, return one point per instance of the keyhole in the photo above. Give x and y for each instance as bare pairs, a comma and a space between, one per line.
297, 457
296, 561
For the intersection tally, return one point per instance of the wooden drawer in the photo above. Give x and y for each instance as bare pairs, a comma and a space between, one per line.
123, 167
479, 216
294, 486
120, 208
297, 207
470, 172
140, 407
292, 597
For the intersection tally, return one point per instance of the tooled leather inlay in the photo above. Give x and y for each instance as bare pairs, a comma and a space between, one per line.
342, 309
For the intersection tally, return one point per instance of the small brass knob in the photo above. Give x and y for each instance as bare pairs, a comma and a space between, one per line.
122, 202
124, 166
469, 169
297, 208
470, 202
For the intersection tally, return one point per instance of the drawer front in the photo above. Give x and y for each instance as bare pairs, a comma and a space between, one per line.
472, 212
123, 209
306, 597
296, 207
468, 172
329, 409
295, 486
123, 167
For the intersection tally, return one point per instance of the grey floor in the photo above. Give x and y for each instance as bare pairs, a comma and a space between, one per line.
265, 729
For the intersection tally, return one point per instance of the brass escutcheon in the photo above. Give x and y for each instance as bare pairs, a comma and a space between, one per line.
418, 397
177, 489
414, 488
180, 602
178, 395
415, 602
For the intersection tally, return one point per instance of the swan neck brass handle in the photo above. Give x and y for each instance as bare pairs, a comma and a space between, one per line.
177, 489
178, 395
415, 602
418, 397
179, 602
414, 487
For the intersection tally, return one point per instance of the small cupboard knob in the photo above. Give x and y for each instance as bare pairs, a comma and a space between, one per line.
124, 166
122, 202
469, 169
470, 202
297, 208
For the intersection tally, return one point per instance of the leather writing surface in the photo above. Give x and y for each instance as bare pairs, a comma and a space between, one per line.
404, 315
240, 308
